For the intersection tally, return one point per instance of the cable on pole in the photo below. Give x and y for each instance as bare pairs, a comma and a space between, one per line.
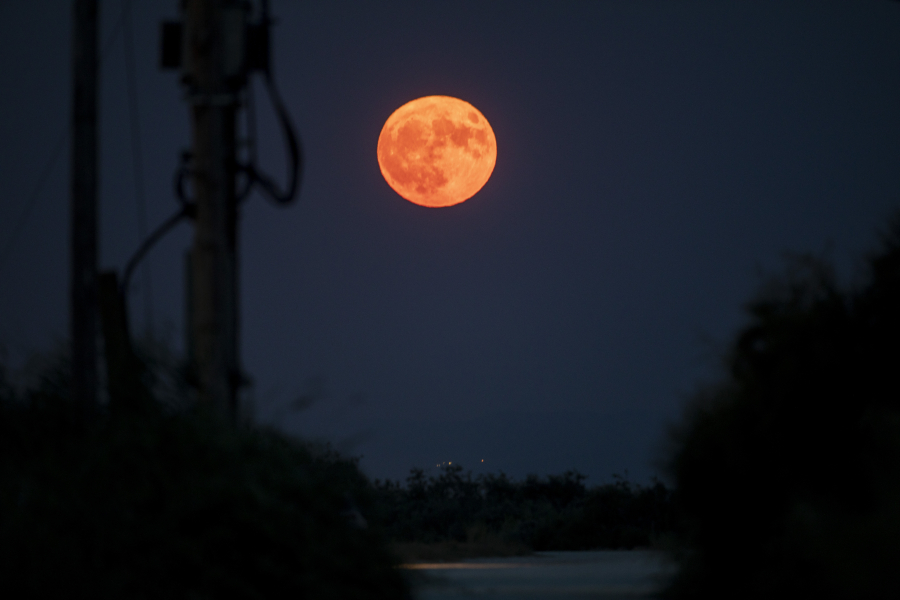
186, 211
295, 157
136, 157
292, 142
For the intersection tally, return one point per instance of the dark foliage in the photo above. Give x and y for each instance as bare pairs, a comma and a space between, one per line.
553, 513
170, 504
788, 470
618, 515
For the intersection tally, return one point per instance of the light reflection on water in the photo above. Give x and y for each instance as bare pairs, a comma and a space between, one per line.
604, 574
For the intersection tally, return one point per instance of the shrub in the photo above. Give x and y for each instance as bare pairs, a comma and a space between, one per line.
788, 469
172, 504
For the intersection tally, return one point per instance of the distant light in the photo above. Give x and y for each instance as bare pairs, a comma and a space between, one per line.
482, 460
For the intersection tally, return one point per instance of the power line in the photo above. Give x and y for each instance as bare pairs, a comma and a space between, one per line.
33, 197
117, 26
137, 159
55, 153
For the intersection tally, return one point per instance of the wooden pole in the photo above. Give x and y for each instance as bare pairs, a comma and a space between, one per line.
214, 36
83, 194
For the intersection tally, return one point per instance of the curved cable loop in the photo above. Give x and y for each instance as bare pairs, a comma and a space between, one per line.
187, 210
294, 152
295, 155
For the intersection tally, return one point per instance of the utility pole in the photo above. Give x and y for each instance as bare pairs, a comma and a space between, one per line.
83, 190
214, 75
216, 47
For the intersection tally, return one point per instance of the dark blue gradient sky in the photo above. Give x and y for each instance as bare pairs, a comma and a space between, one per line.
653, 158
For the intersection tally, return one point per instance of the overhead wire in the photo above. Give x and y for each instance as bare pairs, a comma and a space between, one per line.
148, 243
33, 197
50, 165
137, 158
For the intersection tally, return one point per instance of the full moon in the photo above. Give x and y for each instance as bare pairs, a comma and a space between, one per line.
437, 151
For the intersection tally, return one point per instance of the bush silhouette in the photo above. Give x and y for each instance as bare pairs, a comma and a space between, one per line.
788, 469
557, 512
172, 504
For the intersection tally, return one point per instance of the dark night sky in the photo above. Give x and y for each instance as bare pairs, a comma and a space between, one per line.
653, 157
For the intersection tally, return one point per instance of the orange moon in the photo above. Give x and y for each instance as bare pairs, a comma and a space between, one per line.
437, 151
